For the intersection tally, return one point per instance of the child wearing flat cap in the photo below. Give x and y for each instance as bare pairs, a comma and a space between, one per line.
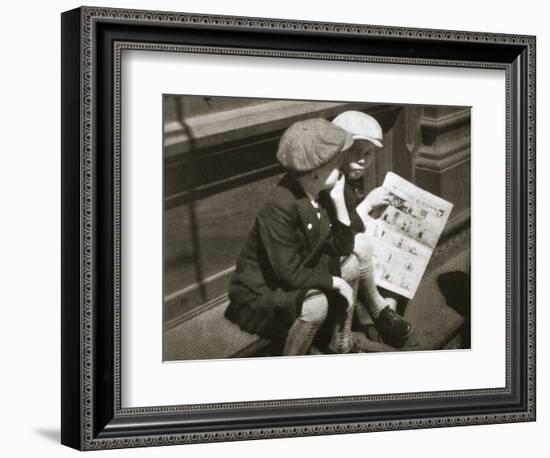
367, 137
289, 276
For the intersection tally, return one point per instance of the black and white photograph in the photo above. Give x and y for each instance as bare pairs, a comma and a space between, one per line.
314, 228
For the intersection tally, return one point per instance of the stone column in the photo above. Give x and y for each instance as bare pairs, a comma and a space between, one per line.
442, 164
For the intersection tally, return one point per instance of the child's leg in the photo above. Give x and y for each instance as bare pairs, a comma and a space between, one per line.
368, 292
303, 330
342, 339
393, 328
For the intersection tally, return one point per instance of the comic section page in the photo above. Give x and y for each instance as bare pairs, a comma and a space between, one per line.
405, 235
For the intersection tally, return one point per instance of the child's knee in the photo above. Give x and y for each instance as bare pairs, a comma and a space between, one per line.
350, 268
363, 248
315, 306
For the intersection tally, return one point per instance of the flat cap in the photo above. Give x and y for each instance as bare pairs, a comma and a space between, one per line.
307, 145
361, 126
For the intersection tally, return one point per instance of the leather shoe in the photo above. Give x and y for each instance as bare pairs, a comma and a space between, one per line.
393, 328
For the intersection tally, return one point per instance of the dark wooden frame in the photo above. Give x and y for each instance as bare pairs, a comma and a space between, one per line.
92, 416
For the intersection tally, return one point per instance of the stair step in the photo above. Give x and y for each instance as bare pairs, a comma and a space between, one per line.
209, 335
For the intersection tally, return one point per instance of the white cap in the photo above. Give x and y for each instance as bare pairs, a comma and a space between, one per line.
361, 126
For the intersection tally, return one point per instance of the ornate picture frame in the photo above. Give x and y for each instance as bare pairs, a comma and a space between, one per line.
93, 416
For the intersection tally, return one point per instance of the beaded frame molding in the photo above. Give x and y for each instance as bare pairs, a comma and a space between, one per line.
92, 42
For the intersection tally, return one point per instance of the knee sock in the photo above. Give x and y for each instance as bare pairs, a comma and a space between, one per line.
368, 292
342, 338
300, 337
303, 330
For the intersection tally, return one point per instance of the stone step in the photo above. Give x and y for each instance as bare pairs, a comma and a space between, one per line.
209, 335
434, 323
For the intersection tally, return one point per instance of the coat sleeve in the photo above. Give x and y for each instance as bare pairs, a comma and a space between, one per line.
278, 228
342, 238
352, 202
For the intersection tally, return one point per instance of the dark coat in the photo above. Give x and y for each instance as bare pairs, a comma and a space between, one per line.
289, 251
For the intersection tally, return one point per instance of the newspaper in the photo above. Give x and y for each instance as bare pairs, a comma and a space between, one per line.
405, 235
